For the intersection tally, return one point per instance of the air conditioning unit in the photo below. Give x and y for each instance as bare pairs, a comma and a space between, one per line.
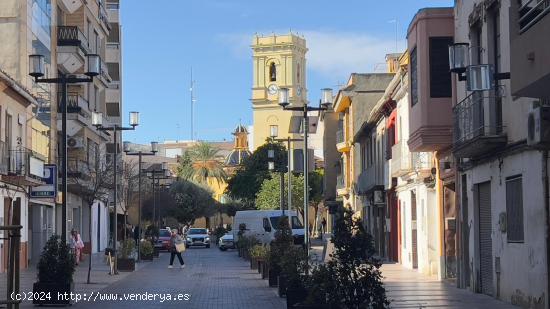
75, 142
378, 197
538, 127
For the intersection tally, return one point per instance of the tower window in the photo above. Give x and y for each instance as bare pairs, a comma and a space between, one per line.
272, 72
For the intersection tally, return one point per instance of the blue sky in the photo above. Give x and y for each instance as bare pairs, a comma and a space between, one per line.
163, 39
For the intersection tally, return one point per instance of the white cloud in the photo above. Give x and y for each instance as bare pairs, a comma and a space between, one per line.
342, 53
332, 54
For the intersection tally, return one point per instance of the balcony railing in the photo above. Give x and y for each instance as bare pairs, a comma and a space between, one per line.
71, 36
77, 167
421, 160
23, 162
400, 159
4, 158
531, 11
105, 72
75, 103
340, 183
340, 136
476, 133
104, 17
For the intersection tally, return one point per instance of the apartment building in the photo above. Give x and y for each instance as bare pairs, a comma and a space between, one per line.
426, 191
89, 27
501, 149
26, 28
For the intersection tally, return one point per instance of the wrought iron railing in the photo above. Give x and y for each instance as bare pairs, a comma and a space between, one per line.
71, 36
75, 103
400, 158
531, 11
22, 161
469, 118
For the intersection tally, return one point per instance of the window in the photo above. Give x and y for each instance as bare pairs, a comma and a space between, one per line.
514, 209
414, 78
440, 77
363, 156
272, 72
404, 228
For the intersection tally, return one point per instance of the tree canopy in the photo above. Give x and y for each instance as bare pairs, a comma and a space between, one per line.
201, 163
245, 184
269, 195
191, 201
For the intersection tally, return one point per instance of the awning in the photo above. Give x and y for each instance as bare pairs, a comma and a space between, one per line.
42, 202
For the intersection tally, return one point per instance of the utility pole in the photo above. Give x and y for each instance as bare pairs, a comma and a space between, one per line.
193, 100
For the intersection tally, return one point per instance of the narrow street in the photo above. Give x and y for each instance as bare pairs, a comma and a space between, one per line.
212, 278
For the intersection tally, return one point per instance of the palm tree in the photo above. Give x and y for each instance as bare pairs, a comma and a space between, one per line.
201, 163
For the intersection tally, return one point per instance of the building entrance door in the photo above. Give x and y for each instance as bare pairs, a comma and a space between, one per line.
414, 233
485, 240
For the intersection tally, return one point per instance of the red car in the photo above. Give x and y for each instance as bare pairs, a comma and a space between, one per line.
163, 242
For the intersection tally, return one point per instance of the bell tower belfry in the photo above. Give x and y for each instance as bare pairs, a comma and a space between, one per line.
278, 61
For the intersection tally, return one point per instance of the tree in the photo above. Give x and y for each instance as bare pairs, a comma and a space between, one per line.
128, 189
269, 195
315, 180
93, 180
245, 184
352, 278
191, 201
202, 163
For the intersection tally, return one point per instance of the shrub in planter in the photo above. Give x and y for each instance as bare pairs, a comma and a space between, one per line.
156, 252
146, 250
352, 278
257, 252
279, 247
124, 260
55, 273
294, 267
219, 232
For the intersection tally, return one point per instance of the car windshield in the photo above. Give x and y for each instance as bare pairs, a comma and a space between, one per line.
196, 231
164, 233
296, 224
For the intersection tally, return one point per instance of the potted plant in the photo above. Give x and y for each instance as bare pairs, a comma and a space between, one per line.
257, 253
294, 266
125, 262
278, 248
147, 251
55, 273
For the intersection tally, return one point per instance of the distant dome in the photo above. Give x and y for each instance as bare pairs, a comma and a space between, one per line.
236, 157
240, 129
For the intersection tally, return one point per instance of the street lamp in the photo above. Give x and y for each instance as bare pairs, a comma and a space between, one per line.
163, 173
36, 70
324, 104
97, 121
140, 153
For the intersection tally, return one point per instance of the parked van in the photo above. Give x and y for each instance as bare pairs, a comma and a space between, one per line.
263, 224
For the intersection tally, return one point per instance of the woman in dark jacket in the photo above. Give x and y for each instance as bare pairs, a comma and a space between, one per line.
175, 239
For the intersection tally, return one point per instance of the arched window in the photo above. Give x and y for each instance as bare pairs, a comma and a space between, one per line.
272, 72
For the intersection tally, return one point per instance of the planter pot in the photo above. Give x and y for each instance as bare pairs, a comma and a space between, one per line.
312, 306
126, 264
146, 257
281, 284
253, 264
265, 270
43, 291
272, 277
295, 296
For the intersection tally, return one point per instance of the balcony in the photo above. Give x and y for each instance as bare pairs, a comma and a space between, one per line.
342, 145
104, 75
21, 167
475, 131
70, 6
76, 104
530, 64
77, 168
104, 17
401, 163
369, 180
341, 188
72, 48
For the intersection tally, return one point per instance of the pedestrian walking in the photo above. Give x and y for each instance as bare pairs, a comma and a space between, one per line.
77, 245
177, 246
324, 225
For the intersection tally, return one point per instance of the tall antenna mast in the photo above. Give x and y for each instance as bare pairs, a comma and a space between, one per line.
191, 89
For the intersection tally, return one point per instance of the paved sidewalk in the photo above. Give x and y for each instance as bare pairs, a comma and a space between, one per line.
408, 289
212, 279
99, 277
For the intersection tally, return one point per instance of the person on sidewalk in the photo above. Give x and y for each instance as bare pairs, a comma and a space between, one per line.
77, 244
324, 225
176, 248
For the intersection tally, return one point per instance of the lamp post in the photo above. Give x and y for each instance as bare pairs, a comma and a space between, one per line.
36, 70
271, 167
152, 174
324, 104
140, 154
97, 121
288, 140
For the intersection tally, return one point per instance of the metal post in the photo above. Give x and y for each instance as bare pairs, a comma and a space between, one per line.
306, 186
282, 193
139, 208
64, 157
115, 197
289, 159
154, 203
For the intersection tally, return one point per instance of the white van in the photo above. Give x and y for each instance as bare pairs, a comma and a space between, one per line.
262, 224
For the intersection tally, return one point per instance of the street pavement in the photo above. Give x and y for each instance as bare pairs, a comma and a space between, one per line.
211, 279
409, 289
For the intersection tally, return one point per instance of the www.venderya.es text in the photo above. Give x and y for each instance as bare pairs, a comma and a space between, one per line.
97, 296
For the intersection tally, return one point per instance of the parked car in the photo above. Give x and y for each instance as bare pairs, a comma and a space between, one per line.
262, 224
198, 237
226, 242
163, 242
